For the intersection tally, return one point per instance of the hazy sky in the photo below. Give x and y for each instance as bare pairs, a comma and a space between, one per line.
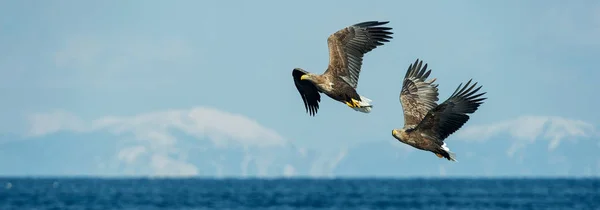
79, 66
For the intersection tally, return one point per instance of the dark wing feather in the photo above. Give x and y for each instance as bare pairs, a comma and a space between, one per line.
348, 46
308, 91
451, 115
417, 95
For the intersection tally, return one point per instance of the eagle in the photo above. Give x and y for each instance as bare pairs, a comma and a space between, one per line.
347, 47
426, 123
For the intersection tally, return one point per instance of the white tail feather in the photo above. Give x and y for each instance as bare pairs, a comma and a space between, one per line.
365, 100
451, 154
365, 104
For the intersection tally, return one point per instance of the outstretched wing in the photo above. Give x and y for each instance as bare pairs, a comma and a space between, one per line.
308, 91
451, 115
417, 96
348, 46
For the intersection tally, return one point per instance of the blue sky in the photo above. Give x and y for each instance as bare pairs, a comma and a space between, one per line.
108, 67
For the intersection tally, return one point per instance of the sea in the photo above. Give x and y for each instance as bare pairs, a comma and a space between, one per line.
287, 194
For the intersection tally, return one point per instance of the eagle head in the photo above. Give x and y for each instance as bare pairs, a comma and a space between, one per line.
399, 134
305, 77
309, 77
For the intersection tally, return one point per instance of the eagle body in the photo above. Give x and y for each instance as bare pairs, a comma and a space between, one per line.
335, 88
347, 48
426, 123
423, 142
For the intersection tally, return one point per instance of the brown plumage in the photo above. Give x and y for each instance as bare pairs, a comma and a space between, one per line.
427, 124
347, 48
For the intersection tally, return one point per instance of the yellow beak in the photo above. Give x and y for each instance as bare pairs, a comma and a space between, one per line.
394, 132
304, 77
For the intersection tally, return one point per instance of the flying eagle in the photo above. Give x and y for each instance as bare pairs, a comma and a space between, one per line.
427, 124
346, 50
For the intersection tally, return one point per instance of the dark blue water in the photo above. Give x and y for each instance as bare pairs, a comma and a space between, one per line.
347, 194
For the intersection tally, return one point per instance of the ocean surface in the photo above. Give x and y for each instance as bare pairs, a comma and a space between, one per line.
282, 194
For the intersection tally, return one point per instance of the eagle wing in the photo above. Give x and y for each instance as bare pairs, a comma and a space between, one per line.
308, 91
417, 96
348, 46
451, 115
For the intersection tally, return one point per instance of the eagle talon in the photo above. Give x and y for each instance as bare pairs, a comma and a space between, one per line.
349, 104
440, 156
356, 103
353, 104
